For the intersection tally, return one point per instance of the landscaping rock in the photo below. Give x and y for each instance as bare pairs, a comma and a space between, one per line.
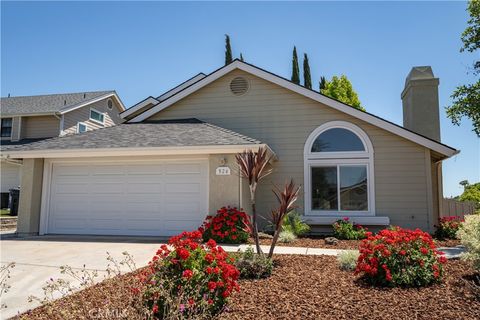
331, 240
452, 252
263, 235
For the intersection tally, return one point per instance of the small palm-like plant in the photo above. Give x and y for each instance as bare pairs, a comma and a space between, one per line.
286, 198
252, 166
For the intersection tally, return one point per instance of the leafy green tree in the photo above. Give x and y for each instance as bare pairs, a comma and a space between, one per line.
228, 50
466, 98
471, 192
307, 78
295, 68
322, 84
341, 89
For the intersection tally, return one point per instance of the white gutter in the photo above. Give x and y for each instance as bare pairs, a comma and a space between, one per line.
144, 151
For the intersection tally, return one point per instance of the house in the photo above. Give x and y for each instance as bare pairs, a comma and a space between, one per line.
173, 161
33, 118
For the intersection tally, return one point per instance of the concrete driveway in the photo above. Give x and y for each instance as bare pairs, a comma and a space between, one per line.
38, 259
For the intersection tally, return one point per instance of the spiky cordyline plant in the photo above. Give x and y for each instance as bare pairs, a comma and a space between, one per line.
252, 166
286, 198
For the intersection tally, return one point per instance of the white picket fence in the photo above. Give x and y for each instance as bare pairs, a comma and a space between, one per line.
452, 207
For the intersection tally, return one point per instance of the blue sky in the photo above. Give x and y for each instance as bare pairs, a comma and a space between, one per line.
145, 48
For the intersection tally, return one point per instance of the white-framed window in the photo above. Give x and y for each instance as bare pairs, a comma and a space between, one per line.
81, 127
97, 116
339, 173
6, 127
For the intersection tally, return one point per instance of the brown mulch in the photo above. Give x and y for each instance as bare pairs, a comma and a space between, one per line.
301, 287
309, 287
319, 242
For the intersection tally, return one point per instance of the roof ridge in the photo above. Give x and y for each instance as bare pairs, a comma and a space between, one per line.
59, 94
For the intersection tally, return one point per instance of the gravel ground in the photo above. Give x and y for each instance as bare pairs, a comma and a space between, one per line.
308, 287
301, 287
319, 242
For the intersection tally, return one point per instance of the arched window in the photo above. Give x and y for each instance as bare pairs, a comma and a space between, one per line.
339, 176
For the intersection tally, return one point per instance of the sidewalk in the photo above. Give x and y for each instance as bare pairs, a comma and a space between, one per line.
284, 250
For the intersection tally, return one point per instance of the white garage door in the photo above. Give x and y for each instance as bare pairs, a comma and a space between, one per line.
131, 198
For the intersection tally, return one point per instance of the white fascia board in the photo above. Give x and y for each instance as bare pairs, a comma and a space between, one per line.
180, 87
402, 132
86, 103
139, 106
145, 151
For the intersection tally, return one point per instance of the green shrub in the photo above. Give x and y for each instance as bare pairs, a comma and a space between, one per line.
347, 260
469, 235
286, 237
253, 266
294, 223
345, 230
448, 227
229, 225
400, 257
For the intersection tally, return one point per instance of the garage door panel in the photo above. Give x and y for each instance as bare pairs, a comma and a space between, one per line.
175, 188
183, 168
69, 170
108, 169
130, 198
144, 188
173, 227
146, 170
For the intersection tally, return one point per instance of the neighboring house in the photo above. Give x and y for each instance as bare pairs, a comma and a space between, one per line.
174, 160
32, 118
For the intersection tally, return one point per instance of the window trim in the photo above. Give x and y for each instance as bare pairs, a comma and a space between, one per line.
11, 127
78, 127
330, 159
95, 120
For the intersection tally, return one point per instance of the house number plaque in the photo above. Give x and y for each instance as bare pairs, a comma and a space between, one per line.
222, 171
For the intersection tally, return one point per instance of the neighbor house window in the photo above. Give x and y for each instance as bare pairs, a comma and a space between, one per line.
81, 127
339, 171
6, 127
97, 116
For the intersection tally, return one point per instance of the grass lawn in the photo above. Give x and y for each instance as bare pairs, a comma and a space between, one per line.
4, 212
301, 287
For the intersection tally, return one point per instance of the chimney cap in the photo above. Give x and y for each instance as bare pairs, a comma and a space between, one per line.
420, 73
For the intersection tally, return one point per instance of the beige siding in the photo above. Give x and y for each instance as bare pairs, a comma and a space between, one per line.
10, 175
40, 127
83, 115
284, 120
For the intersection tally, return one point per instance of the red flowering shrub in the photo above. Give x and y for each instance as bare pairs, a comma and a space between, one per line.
448, 227
400, 257
229, 225
188, 279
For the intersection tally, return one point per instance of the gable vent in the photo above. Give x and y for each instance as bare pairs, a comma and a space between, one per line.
239, 86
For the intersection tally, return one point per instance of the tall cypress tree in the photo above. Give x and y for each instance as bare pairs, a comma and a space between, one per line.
228, 50
307, 78
323, 84
295, 68
241, 57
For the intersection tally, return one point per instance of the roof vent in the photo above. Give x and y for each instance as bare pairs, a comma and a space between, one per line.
64, 102
84, 95
239, 86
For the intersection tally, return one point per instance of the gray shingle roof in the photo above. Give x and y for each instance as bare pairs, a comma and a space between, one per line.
186, 132
46, 103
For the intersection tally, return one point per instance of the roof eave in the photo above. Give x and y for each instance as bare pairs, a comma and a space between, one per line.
143, 151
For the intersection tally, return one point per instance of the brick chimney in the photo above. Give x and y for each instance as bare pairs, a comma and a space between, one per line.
420, 103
